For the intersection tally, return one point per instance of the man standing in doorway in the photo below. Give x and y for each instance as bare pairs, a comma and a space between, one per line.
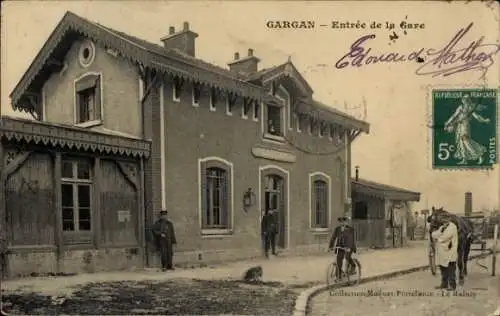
269, 229
163, 231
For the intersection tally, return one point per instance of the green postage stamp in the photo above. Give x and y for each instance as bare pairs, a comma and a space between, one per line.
464, 128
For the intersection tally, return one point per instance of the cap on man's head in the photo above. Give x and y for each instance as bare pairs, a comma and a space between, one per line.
163, 212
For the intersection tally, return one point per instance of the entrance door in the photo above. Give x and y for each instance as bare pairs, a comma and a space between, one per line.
274, 199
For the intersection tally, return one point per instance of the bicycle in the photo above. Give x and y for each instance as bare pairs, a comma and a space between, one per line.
331, 274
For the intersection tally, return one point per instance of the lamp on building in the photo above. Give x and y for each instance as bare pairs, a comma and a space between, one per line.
248, 199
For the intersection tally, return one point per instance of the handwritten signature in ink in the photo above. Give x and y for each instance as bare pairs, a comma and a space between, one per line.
451, 60
435, 62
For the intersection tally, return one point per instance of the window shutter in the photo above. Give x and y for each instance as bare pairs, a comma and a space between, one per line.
279, 121
203, 194
225, 199
77, 107
313, 203
97, 101
281, 220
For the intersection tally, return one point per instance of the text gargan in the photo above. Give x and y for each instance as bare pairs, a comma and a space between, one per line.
290, 24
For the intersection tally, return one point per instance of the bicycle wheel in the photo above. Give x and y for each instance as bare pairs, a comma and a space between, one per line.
354, 278
331, 273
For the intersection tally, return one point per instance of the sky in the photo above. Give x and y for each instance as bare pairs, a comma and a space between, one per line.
389, 96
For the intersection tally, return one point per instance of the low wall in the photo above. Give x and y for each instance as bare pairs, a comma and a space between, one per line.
45, 261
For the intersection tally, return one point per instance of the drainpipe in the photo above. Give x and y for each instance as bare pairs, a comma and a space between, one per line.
348, 202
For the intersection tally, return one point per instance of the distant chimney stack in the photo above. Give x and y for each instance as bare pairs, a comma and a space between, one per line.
247, 65
183, 40
468, 204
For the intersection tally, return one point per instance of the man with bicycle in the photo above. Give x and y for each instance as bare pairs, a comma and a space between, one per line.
343, 242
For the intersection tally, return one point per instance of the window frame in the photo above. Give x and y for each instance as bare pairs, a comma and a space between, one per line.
257, 107
78, 236
176, 90
313, 179
98, 110
246, 108
320, 129
214, 94
230, 103
205, 164
194, 87
265, 122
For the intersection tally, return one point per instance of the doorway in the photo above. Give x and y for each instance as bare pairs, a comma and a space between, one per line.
274, 199
360, 210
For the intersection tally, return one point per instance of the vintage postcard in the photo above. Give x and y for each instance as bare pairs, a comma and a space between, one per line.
249, 158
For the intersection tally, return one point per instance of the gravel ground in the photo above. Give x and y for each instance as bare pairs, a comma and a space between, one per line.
173, 297
414, 295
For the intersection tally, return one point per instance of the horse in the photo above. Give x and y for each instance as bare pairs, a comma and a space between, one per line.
465, 236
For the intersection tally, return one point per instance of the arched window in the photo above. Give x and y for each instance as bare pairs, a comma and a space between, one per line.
320, 210
216, 196
88, 99
319, 184
216, 204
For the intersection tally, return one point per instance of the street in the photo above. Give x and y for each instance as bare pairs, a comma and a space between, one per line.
414, 294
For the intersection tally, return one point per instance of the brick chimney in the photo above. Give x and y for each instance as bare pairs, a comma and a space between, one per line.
245, 65
183, 40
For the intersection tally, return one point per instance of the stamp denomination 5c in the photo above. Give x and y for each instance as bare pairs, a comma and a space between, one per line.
464, 128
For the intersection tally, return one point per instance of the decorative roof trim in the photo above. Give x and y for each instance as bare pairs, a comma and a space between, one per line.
384, 191
52, 135
321, 112
287, 69
132, 50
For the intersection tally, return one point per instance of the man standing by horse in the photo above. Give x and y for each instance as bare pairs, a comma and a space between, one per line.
465, 236
446, 243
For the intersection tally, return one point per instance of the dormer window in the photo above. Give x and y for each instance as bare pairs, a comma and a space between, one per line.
196, 94
274, 126
177, 89
88, 100
213, 99
256, 110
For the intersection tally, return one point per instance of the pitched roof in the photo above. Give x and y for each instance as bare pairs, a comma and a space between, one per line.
161, 59
286, 69
132, 48
383, 190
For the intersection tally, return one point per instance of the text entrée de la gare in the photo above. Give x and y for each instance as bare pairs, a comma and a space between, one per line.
339, 25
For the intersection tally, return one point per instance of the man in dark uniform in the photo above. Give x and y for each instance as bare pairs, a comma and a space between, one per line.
269, 229
343, 236
163, 231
